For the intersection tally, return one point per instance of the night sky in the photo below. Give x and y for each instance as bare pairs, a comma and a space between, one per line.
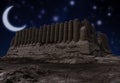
103, 14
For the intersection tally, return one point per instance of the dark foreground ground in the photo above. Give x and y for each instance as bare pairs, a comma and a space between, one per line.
58, 73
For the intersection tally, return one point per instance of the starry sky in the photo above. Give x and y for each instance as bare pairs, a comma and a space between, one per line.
103, 14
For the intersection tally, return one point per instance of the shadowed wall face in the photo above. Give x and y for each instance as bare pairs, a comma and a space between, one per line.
91, 32
103, 42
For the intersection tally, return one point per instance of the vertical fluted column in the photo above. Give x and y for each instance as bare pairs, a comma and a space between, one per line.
20, 37
83, 33
36, 36
65, 34
27, 40
106, 43
70, 31
76, 31
91, 32
52, 33
44, 34
103, 42
40, 34
29, 36
61, 32
33, 35
93, 35
12, 41
48, 34
26, 36
56, 33
23, 37
16, 39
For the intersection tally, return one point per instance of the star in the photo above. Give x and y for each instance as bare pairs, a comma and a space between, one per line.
56, 9
32, 7
113, 33
43, 11
109, 14
94, 7
102, 0
93, 15
39, 16
16, 17
99, 22
93, 24
119, 41
72, 2
112, 42
55, 18
23, 2
32, 23
110, 8
65, 9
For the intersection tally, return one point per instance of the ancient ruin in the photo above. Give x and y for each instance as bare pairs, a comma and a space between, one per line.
71, 39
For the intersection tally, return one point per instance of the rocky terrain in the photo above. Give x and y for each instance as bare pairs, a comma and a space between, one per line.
59, 73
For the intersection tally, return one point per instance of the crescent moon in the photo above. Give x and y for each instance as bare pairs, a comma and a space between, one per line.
7, 23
